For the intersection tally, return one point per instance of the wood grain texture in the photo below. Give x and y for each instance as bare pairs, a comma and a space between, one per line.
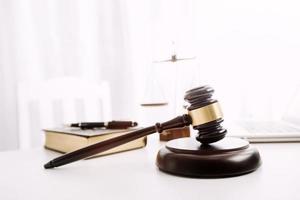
226, 158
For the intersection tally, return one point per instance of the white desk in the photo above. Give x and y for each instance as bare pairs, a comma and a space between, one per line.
133, 175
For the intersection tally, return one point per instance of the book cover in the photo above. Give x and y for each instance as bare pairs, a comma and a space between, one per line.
67, 139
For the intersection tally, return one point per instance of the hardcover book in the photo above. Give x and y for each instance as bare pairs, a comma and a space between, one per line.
67, 139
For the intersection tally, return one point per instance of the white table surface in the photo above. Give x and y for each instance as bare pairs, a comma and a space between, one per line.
134, 175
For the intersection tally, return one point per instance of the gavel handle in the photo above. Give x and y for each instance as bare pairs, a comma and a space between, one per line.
99, 147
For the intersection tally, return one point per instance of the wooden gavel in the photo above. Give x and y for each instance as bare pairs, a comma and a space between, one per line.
204, 114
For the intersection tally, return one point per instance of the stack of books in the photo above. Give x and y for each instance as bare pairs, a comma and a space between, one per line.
67, 139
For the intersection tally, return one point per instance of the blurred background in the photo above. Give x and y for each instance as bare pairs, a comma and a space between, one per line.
57, 55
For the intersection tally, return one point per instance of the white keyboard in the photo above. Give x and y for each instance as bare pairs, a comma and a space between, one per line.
268, 127
264, 131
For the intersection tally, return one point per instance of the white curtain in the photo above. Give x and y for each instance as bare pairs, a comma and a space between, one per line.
248, 51
40, 40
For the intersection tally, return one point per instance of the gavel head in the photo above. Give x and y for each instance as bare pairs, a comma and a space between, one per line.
206, 114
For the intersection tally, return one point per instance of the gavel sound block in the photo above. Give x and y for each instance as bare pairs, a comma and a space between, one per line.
209, 155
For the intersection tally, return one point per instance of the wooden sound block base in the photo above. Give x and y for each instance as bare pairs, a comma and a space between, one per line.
225, 158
